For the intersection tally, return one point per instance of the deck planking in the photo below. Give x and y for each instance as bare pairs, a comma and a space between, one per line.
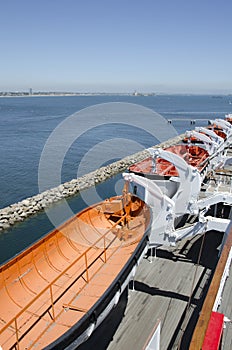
162, 287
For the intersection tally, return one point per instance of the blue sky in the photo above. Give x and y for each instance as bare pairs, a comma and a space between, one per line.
116, 46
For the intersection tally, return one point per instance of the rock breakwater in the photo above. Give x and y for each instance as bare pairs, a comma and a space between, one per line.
20, 211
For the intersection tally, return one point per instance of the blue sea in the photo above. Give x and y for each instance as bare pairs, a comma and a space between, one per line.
27, 122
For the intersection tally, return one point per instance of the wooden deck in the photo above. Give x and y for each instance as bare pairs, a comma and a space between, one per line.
162, 289
203, 321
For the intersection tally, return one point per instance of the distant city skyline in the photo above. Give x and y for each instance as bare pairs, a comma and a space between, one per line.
116, 46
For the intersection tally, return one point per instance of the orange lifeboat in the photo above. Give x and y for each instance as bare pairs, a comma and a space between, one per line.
52, 294
218, 130
192, 154
229, 118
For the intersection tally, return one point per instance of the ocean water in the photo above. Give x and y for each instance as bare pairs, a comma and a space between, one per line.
26, 123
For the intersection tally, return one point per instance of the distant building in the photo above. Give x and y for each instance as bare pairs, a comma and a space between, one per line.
30, 91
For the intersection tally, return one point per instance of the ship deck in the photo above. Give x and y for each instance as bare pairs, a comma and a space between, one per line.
170, 287
162, 288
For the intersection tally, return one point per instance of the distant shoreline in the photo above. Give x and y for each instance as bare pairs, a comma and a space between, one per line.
63, 94
134, 94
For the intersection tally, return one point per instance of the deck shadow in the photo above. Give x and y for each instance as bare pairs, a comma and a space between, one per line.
210, 259
190, 251
154, 291
185, 339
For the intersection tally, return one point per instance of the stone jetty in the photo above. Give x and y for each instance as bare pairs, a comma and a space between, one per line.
20, 211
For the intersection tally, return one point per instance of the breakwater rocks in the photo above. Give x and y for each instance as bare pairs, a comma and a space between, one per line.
20, 211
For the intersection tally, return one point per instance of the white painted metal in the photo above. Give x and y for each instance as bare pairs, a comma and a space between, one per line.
219, 197
154, 343
226, 126
209, 144
224, 122
162, 209
190, 182
218, 139
223, 281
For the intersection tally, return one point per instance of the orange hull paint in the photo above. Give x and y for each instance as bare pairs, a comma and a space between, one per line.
49, 287
193, 155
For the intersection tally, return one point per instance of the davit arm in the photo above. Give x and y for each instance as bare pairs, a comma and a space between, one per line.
218, 139
210, 145
190, 182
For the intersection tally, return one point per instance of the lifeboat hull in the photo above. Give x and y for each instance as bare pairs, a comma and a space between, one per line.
54, 294
165, 174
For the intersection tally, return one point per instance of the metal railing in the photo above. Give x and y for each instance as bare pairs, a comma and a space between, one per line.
103, 256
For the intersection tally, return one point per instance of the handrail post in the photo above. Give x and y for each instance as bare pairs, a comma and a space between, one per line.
105, 248
53, 310
16, 333
86, 266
